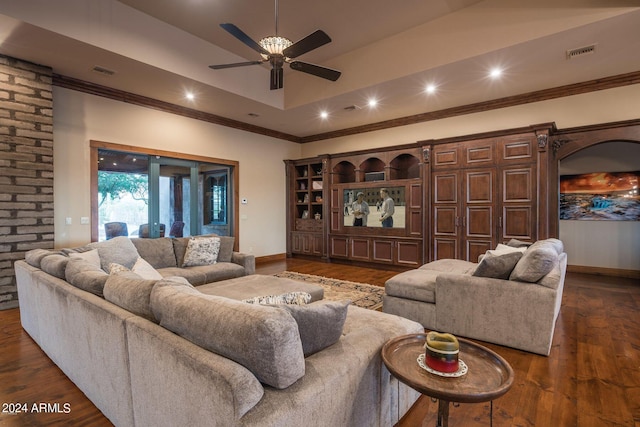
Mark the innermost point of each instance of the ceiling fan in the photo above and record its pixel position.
(277, 50)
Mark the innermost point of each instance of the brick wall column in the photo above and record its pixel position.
(26, 167)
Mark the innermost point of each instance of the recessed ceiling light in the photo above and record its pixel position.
(372, 102)
(324, 115)
(190, 96)
(430, 88)
(495, 72)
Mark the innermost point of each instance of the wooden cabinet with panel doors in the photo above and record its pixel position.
(484, 192)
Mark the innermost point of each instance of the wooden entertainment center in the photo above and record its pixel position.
(454, 198)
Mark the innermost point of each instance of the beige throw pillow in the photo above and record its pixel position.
(201, 251)
(91, 256)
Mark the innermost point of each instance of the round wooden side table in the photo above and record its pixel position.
(489, 376)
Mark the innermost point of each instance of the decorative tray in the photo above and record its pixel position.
(488, 375)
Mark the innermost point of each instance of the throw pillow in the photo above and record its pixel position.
(119, 250)
(505, 249)
(128, 290)
(157, 252)
(320, 323)
(145, 270)
(35, 256)
(55, 265)
(264, 339)
(201, 251)
(296, 298)
(515, 243)
(85, 275)
(117, 268)
(537, 262)
(91, 256)
(497, 265)
(226, 248)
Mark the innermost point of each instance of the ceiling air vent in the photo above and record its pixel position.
(351, 108)
(104, 71)
(580, 51)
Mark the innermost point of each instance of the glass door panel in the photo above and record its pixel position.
(172, 196)
(123, 193)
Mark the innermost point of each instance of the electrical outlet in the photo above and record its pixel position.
(84, 220)
(68, 220)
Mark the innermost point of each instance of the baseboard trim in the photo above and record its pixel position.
(270, 258)
(604, 271)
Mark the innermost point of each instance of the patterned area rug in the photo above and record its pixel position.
(360, 294)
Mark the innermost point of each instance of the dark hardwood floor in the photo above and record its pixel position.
(591, 378)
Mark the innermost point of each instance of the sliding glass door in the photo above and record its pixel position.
(173, 197)
(150, 196)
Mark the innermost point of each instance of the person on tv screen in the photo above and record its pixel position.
(360, 210)
(387, 208)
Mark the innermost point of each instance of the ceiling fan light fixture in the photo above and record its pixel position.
(275, 44)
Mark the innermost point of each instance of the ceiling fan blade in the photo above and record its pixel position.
(316, 70)
(236, 64)
(240, 35)
(277, 78)
(307, 44)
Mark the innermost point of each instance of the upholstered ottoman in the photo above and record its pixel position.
(257, 285)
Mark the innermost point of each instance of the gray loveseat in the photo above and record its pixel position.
(510, 298)
(163, 353)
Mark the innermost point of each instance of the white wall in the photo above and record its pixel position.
(611, 244)
(79, 118)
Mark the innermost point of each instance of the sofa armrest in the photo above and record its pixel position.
(248, 261)
(515, 314)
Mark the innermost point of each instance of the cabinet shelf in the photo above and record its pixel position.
(306, 206)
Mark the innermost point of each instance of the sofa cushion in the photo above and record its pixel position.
(294, 298)
(450, 266)
(35, 256)
(553, 279)
(497, 265)
(221, 271)
(536, 262)
(119, 250)
(128, 290)
(417, 285)
(179, 248)
(263, 339)
(319, 324)
(91, 256)
(201, 251)
(55, 265)
(85, 275)
(191, 274)
(226, 248)
(157, 252)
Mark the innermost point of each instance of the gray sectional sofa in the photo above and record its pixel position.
(511, 297)
(162, 352)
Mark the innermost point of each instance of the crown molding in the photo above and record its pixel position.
(537, 96)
